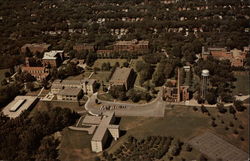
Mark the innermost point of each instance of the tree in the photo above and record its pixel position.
(91, 58)
(188, 147)
(48, 149)
(7, 74)
(203, 109)
(4, 82)
(239, 105)
(30, 86)
(202, 158)
(232, 110)
(125, 64)
(211, 98)
(221, 108)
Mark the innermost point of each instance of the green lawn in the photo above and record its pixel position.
(183, 123)
(242, 83)
(80, 76)
(101, 76)
(75, 145)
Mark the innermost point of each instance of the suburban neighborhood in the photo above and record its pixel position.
(110, 80)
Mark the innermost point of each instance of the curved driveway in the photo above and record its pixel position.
(156, 108)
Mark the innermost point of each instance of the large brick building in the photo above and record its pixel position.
(235, 56)
(131, 46)
(40, 73)
(34, 48)
(173, 91)
(123, 77)
(84, 47)
(53, 58)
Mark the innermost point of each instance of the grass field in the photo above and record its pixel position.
(2, 76)
(183, 123)
(75, 145)
(242, 83)
(99, 62)
(101, 76)
(80, 76)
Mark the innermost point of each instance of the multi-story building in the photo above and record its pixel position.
(84, 47)
(69, 94)
(123, 77)
(53, 58)
(174, 92)
(131, 46)
(171, 94)
(35, 48)
(40, 73)
(105, 128)
(235, 56)
(87, 85)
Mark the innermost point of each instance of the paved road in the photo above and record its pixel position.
(156, 108)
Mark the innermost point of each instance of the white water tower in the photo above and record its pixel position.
(204, 83)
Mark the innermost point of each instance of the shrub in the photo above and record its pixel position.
(236, 132)
(241, 127)
(195, 108)
(242, 139)
(213, 124)
(188, 148)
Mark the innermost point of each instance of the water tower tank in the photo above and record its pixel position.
(205, 73)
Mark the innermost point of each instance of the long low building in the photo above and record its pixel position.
(18, 105)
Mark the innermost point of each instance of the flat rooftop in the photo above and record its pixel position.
(121, 74)
(52, 54)
(104, 125)
(29, 101)
(92, 120)
(70, 91)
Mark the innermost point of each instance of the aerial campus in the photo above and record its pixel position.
(107, 80)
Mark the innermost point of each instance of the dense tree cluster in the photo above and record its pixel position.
(9, 92)
(164, 70)
(223, 23)
(145, 71)
(221, 79)
(27, 134)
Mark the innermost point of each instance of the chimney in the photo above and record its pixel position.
(178, 85)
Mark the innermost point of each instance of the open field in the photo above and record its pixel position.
(99, 62)
(183, 123)
(80, 76)
(2, 76)
(101, 76)
(242, 83)
(75, 145)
